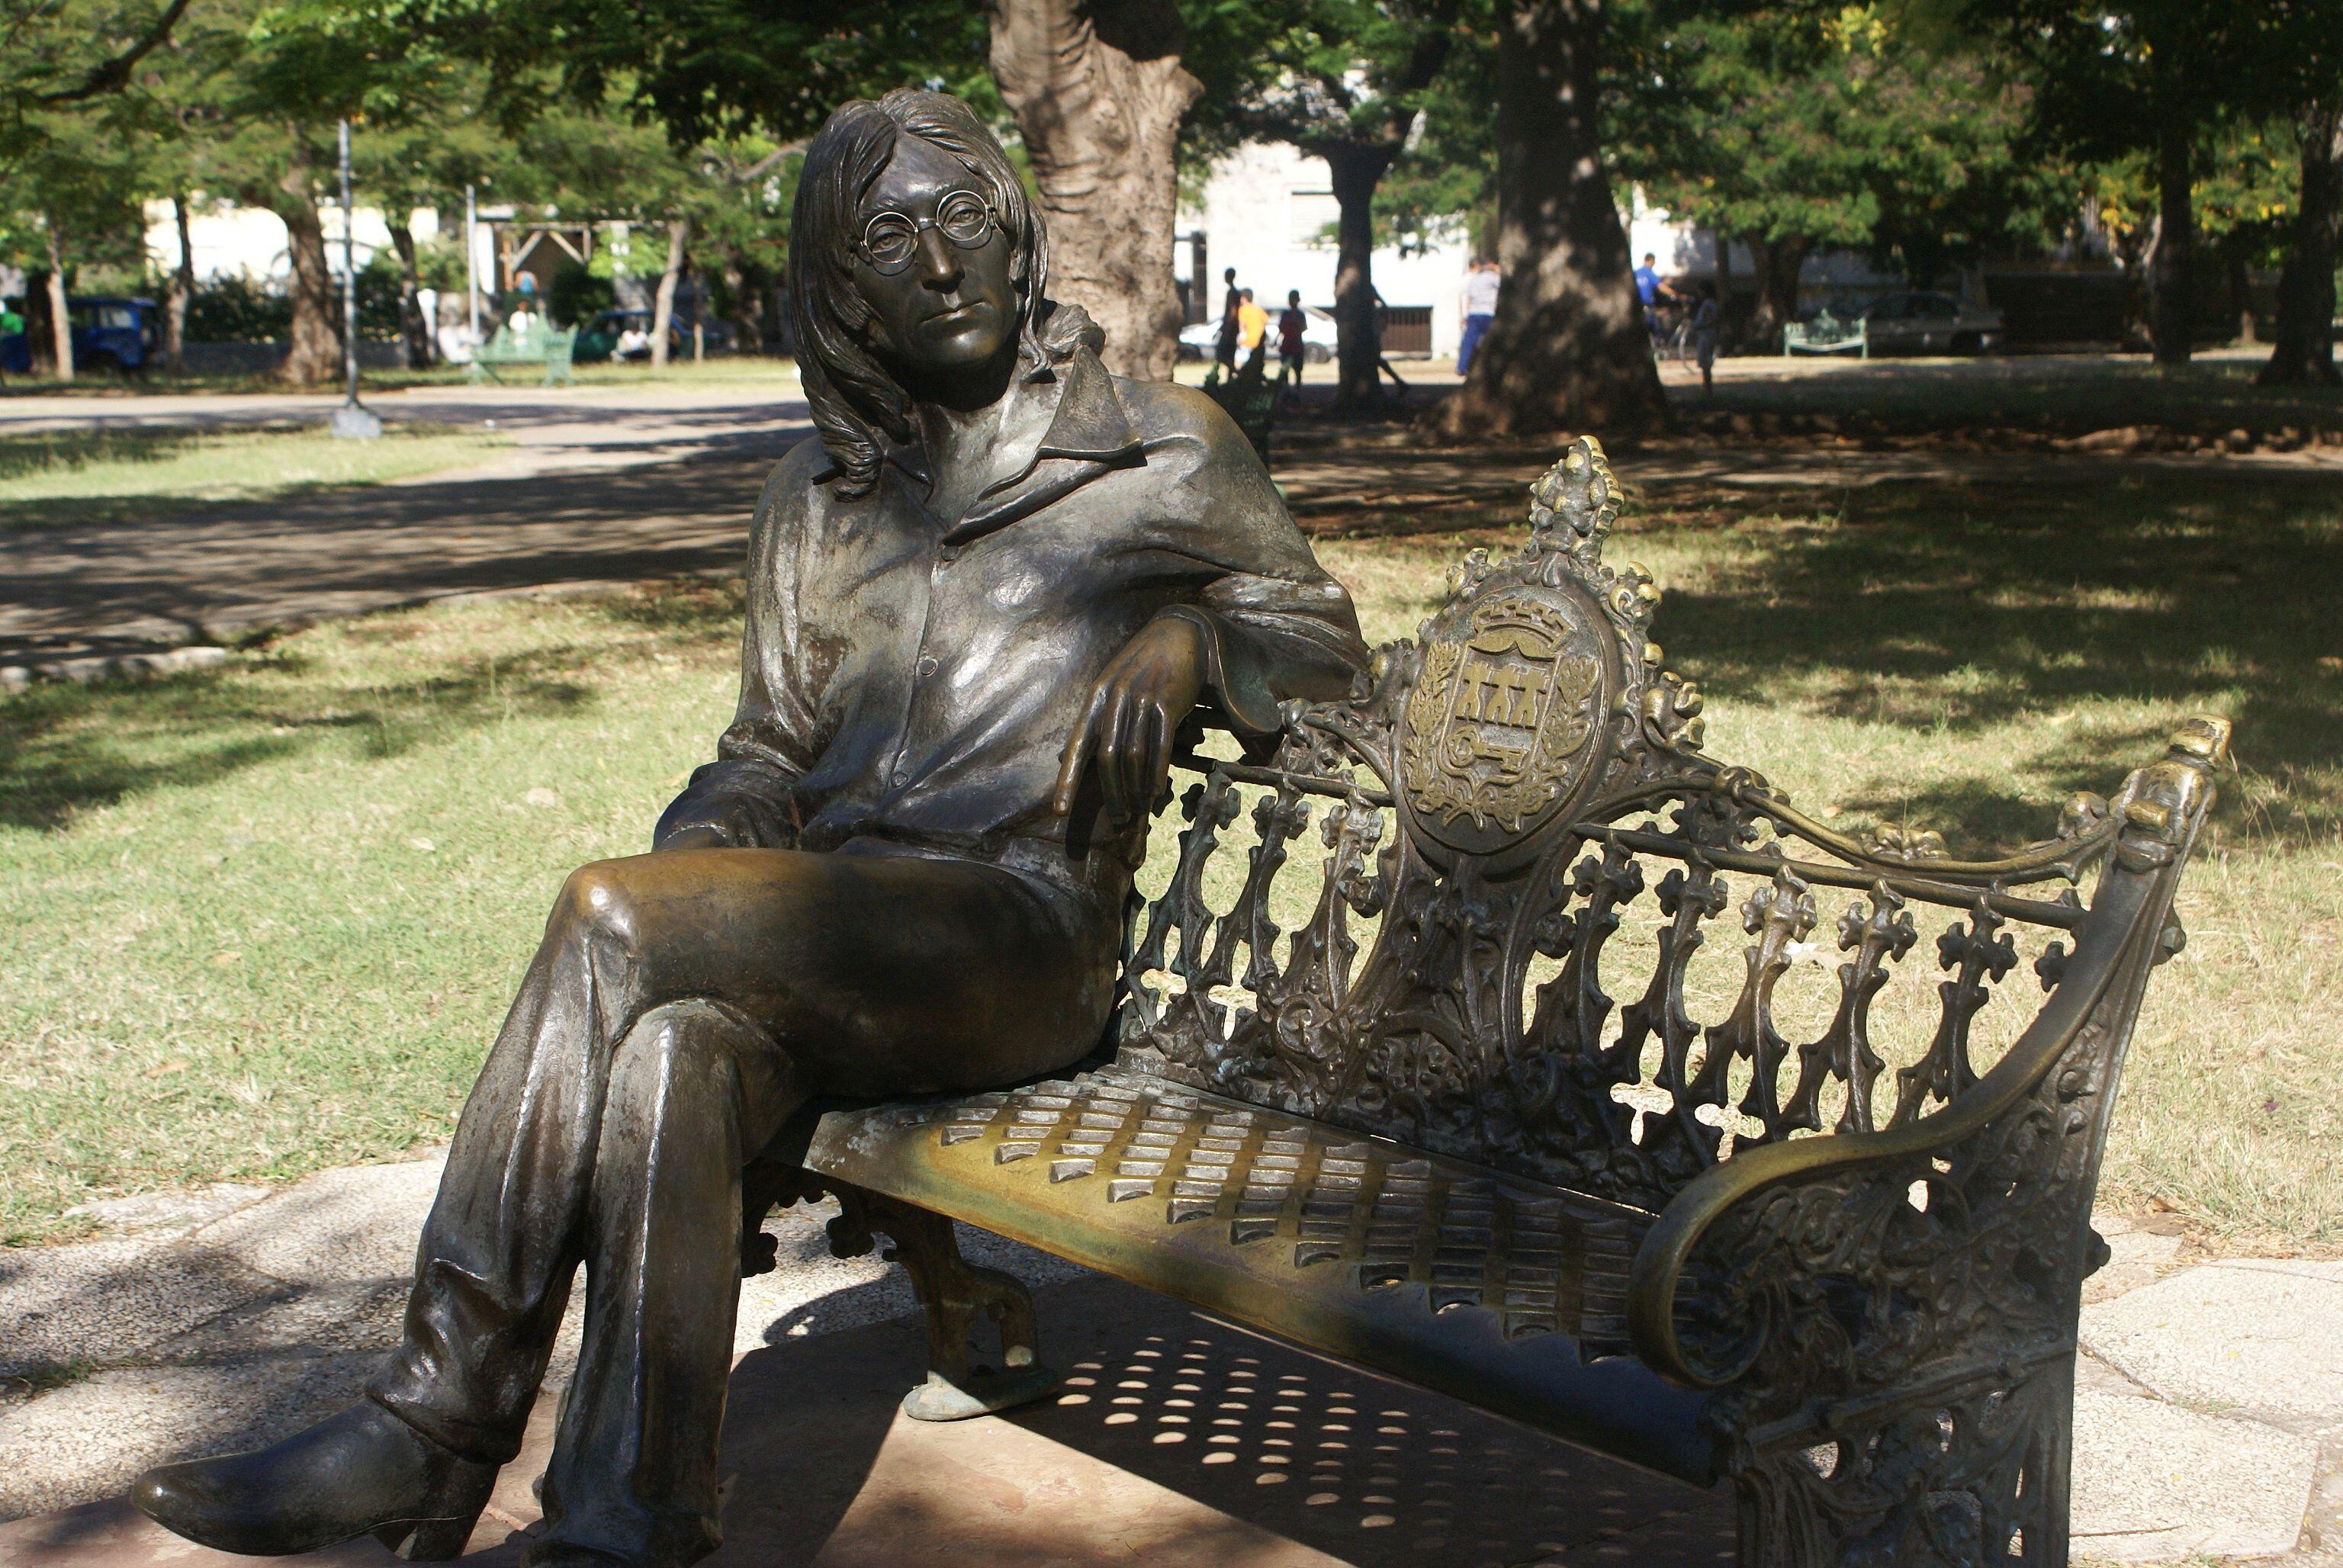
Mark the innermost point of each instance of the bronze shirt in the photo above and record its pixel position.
(915, 678)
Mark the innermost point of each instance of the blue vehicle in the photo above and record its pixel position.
(109, 333)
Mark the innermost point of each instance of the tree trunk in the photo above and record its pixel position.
(1568, 348)
(679, 237)
(61, 354)
(413, 333)
(750, 284)
(1777, 262)
(2304, 333)
(1359, 339)
(40, 342)
(2171, 270)
(1097, 91)
(178, 293)
(315, 351)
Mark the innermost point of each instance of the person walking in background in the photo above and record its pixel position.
(1707, 323)
(1252, 325)
(1226, 351)
(1292, 330)
(1482, 283)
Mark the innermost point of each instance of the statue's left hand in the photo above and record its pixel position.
(1134, 709)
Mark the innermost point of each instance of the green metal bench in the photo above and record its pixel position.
(1817, 1227)
(549, 346)
(1827, 334)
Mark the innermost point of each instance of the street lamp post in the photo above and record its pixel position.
(471, 266)
(351, 420)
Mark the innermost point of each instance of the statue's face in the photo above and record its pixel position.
(933, 263)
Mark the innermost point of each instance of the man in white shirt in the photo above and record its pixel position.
(1480, 302)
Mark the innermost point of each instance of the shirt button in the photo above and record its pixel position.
(927, 667)
(902, 776)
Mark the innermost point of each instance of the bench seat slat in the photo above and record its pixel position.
(1451, 1275)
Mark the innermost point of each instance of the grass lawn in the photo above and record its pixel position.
(54, 477)
(265, 918)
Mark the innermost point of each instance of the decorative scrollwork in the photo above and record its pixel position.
(1476, 1022)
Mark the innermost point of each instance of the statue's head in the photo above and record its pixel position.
(915, 258)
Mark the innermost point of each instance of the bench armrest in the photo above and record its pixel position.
(1845, 1260)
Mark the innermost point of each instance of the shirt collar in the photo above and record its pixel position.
(1088, 427)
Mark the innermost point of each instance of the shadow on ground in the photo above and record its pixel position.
(218, 574)
(1178, 1439)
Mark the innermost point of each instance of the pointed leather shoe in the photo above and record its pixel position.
(363, 1472)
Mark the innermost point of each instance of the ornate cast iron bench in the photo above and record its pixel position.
(1394, 1114)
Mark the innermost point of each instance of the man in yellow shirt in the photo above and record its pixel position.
(1252, 323)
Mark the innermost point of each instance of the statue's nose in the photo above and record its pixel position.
(940, 266)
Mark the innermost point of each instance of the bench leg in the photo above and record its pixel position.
(956, 1292)
(1974, 1476)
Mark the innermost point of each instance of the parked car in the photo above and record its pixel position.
(108, 333)
(599, 339)
(1922, 322)
(1203, 340)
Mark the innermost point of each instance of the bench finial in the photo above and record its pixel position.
(1573, 502)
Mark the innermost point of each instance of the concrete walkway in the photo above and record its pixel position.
(2209, 1423)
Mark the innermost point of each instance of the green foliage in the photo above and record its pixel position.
(1788, 123)
(380, 284)
(708, 70)
(577, 295)
(232, 308)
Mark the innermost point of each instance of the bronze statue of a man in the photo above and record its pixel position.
(980, 606)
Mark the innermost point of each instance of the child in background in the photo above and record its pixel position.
(1292, 325)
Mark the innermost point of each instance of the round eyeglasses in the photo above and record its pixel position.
(891, 238)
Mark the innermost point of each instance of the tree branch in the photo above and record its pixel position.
(110, 75)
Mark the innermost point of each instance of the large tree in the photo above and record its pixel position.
(1098, 89)
(1568, 348)
(69, 55)
(255, 89)
(1347, 81)
(2303, 349)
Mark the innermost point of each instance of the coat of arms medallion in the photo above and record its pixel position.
(1506, 712)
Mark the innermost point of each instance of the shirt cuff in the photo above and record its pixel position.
(1236, 672)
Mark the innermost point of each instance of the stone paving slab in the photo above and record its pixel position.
(2155, 1483)
(293, 1298)
(104, 1301)
(2257, 1337)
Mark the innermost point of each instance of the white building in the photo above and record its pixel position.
(1267, 211)
(227, 240)
(1268, 208)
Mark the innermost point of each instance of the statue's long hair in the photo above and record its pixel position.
(852, 394)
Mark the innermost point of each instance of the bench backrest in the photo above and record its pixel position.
(1508, 949)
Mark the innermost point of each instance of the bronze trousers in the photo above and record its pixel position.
(682, 1006)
